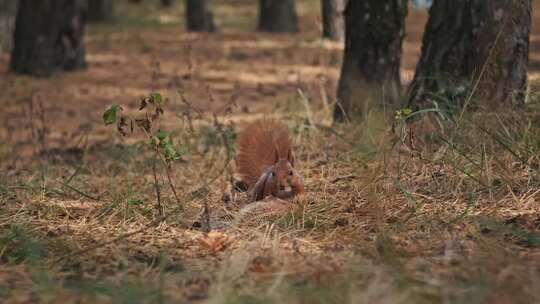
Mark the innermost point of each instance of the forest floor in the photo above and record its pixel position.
(451, 214)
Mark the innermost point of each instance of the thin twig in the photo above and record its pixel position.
(205, 218)
(75, 173)
(165, 164)
(171, 185)
(344, 177)
(158, 194)
(80, 192)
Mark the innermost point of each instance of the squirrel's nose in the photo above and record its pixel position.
(281, 187)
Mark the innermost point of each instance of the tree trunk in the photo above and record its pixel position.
(8, 9)
(199, 16)
(100, 10)
(332, 19)
(278, 16)
(474, 45)
(503, 47)
(167, 3)
(49, 37)
(374, 31)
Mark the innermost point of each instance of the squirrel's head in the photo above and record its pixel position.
(283, 171)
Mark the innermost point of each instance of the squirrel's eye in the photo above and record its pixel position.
(291, 173)
(272, 174)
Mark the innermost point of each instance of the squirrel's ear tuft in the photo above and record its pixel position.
(290, 157)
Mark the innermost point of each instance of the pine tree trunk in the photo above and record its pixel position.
(332, 19)
(374, 31)
(199, 16)
(8, 9)
(481, 45)
(100, 10)
(446, 58)
(278, 16)
(502, 45)
(49, 37)
(167, 3)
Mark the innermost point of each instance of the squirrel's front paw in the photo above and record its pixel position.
(285, 194)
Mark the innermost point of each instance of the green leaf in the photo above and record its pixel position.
(162, 135)
(406, 111)
(170, 152)
(400, 114)
(110, 116)
(156, 97)
(166, 144)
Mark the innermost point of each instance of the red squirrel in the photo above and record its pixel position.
(265, 161)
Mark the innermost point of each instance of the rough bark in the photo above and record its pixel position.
(100, 10)
(199, 16)
(8, 9)
(481, 45)
(332, 19)
(374, 31)
(278, 16)
(49, 37)
(503, 46)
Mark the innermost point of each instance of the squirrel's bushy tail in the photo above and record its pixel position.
(258, 145)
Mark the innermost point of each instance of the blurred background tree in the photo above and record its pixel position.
(49, 37)
(8, 10)
(100, 10)
(199, 17)
(278, 16)
(332, 19)
(469, 40)
(167, 3)
(370, 75)
(463, 40)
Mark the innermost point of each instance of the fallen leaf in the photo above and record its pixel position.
(216, 241)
